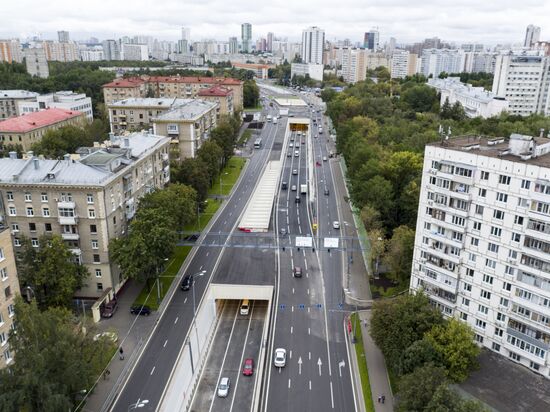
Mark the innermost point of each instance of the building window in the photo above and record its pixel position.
(498, 214)
(504, 180)
(99, 286)
(514, 356)
(463, 316)
(3, 273)
(474, 241)
(34, 242)
(496, 231)
(477, 226)
(98, 273)
(496, 347)
(483, 309)
(16, 242)
(95, 244)
(11, 310)
(44, 197)
(488, 279)
(467, 287)
(534, 366)
(28, 197)
(482, 192)
(502, 197)
(48, 227)
(466, 302)
(481, 324)
(66, 197)
(91, 213)
(46, 212)
(507, 286)
(479, 210)
(93, 229)
(501, 317)
(3, 339)
(518, 220)
(30, 211)
(525, 184)
(485, 294)
(32, 227)
(96, 259)
(9, 196)
(472, 257)
(7, 356)
(12, 211)
(491, 247)
(90, 198)
(516, 237)
(15, 227)
(7, 292)
(484, 175)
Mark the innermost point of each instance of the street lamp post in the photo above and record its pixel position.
(139, 404)
(158, 282)
(201, 273)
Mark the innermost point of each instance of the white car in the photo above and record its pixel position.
(295, 172)
(336, 224)
(223, 387)
(280, 358)
(110, 336)
(291, 144)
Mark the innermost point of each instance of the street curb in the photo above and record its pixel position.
(360, 396)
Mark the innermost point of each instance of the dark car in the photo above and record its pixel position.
(298, 200)
(186, 283)
(109, 309)
(327, 192)
(140, 310)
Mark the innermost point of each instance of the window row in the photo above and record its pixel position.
(64, 197)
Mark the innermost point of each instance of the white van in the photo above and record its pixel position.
(245, 305)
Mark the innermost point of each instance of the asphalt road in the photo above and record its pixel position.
(150, 374)
(309, 321)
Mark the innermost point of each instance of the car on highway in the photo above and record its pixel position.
(279, 359)
(293, 188)
(248, 367)
(289, 154)
(327, 192)
(295, 172)
(282, 231)
(324, 158)
(223, 387)
(284, 186)
(109, 309)
(297, 272)
(296, 153)
(140, 310)
(291, 144)
(297, 200)
(336, 224)
(187, 282)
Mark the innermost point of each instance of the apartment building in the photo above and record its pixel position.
(66, 100)
(10, 99)
(476, 101)
(260, 70)
(10, 288)
(354, 64)
(482, 247)
(61, 51)
(313, 44)
(374, 60)
(10, 51)
(36, 63)
(436, 61)
(86, 198)
(169, 86)
(220, 95)
(27, 129)
(403, 64)
(187, 125)
(138, 52)
(525, 82)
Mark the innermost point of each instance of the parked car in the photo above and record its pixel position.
(280, 358)
(140, 310)
(223, 387)
(297, 272)
(248, 368)
(187, 282)
(109, 309)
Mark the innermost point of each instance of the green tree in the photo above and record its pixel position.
(251, 94)
(225, 136)
(457, 112)
(50, 270)
(212, 156)
(178, 200)
(377, 247)
(446, 110)
(192, 172)
(416, 389)
(420, 98)
(420, 353)
(399, 254)
(371, 218)
(55, 362)
(454, 341)
(445, 399)
(378, 193)
(399, 322)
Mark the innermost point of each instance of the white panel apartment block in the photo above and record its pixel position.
(482, 247)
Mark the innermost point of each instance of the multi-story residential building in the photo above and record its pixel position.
(482, 247)
(436, 61)
(188, 126)
(10, 288)
(111, 49)
(63, 36)
(27, 129)
(476, 101)
(314, 71)
(269, 45)
(86, 198)
(484, 62)
(61, 52)
(525, 82)
(66, 100)
(137, 113)
(130, 51)
(10, 51)
(375, 59)
(10, 99)
(372, 40)
(354, 65)
(220, 95)
(246, 37)
(36, 63)
(94, 54)
(233, 45)
(169, 86)
(532, 35)
(313, 44)
(403, 64)
(260, 70)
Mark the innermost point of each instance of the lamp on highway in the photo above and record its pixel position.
(201, 273)
(138, 404)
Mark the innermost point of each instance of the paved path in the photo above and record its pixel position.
(378, 376)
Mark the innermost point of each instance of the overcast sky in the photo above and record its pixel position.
(484, 21)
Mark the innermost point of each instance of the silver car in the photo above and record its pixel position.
(223, 387)
(280, 358)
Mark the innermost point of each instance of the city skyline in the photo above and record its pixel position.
(495, 22)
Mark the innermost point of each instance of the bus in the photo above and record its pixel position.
(257, 143)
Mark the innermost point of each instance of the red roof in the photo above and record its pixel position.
(216, 91)
(129, 82)
(36, 120)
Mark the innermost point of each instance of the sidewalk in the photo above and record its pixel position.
(378, 376)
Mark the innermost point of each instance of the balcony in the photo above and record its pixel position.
(65, 204)
(70, 236)
(76, 251)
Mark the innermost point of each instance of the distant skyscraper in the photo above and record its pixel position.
(270, 42)
(63, 36)
(313, 42)
(111, 50)
(532, 35)
(186, 34)
(371, 40)
(233, 45)
(246, 37)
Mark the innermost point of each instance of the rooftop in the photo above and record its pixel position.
(216, 91)
(138, 81)
(17, 94)
(37, 120)
(163, 102)
(454, 83)
(518, 148)
(190, 110)
(130, 82)
(96, 165)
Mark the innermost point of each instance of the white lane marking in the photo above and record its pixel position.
(176, 321)
(308, 310)
(307, 275)
(224, 222)
(200, 268)
(309, 331)
(305, 263)
(292, 308)
(185, 301)
(293, 291)
(309, 355)
(152, 370)
(290, 353)
(300, 229)
(288, 380)
(165, 342)
(207, 253)
(331, 395)
(308, 291)
(309, 385)
(291, 329)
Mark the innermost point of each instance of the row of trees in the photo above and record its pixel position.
(425, 351)
(382, 129)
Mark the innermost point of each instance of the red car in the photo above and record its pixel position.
(248, 368)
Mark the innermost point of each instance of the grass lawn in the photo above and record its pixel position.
(166, 279)
(361, 361)
(252, 109)
(244, 137)
(212, 206)
(230, 174)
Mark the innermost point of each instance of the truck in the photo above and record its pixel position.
(268, 118)
(303, 189)
(283, 112)
(274, 120)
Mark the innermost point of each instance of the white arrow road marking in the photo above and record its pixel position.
(341, 364)
(300, 365)
(319, 363)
